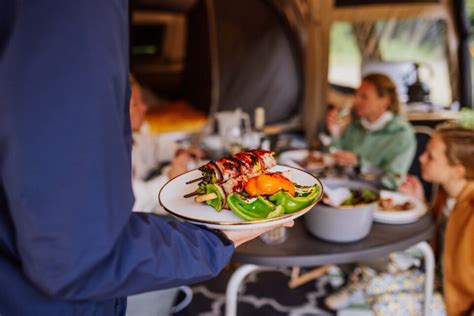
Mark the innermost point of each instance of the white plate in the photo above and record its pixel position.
(172, 200)
(293, 158)
(400, 217)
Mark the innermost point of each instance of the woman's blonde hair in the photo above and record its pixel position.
(385, 86)
(459, 144)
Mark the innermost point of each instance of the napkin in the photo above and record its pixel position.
(335, 197)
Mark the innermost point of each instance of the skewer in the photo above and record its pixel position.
(190, 194)
(195, 180)
(205, 197)
(253, 161)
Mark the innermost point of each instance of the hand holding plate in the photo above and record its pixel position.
(239, 237)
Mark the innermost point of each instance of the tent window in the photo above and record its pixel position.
(423, 42)
(392, 47)
(344, 56)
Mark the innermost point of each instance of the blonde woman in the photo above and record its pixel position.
(377, 137)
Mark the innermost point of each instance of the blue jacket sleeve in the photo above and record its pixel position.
(65, 161)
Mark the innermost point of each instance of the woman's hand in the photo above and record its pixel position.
(413, 187)
(333, 122)
(181, 161)
(179, 165)
(345, 158)
(239, 237)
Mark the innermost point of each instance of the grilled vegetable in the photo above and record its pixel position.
(268, 184)
(253, 208)
(241, 184)
(217, 196)
(304, 197)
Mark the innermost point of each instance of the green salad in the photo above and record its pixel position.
(361, 196)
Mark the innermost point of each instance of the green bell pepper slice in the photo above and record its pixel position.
(252, 209)
(279, 210)
(219, 202)
(295, 203)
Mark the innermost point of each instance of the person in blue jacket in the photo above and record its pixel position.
(69, 243)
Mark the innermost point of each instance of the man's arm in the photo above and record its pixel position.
(65, 161)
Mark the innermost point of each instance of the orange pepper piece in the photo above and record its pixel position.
(251, 187)
(268, 184)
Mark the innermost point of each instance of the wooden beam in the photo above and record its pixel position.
(316, 66)
(140, 17)
(387, 12)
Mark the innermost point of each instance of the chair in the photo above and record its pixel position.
(423, 135)
(158, 303)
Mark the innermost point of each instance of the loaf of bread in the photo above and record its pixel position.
(176, 116)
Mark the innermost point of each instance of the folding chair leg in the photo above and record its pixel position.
(297, 279)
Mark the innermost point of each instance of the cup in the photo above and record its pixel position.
(252, 140)
(232, 127)
(275, 236)
(344, 114)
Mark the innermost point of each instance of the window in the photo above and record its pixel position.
(344, 56)
(397, 44)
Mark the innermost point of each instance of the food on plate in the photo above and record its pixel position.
(388, 204)
(277, 204)
(243, 184)
(312, 160)
(360, 196)
(249, 163)
(175, 116)
(269, 183)
(303, 197)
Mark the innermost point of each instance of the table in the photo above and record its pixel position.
(443, 115)
(303, 250)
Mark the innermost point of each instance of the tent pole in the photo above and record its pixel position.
(316, 67)
(452, 34)
(214, 59)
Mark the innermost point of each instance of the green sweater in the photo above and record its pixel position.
(391, 148)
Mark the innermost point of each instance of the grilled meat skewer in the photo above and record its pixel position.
(250, 163)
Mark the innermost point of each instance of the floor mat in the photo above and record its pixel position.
(263, 292)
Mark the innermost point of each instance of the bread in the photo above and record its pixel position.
(176, 116)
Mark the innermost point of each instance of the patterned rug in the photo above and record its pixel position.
(263, 292)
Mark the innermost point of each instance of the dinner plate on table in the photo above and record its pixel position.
(294, 158)
(394, 216)
(172, 200)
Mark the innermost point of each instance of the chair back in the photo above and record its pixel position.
(423, 135)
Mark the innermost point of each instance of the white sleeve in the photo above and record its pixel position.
(146, 194)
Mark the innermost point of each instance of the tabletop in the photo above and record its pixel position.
(304, 250)
(433, 116)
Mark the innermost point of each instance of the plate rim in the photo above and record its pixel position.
(327, 163)
(245, 222)
(290, 151)
(418, 212)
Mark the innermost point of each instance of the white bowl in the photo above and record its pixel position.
(341, 224)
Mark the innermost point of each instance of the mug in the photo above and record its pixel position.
(231, 130)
